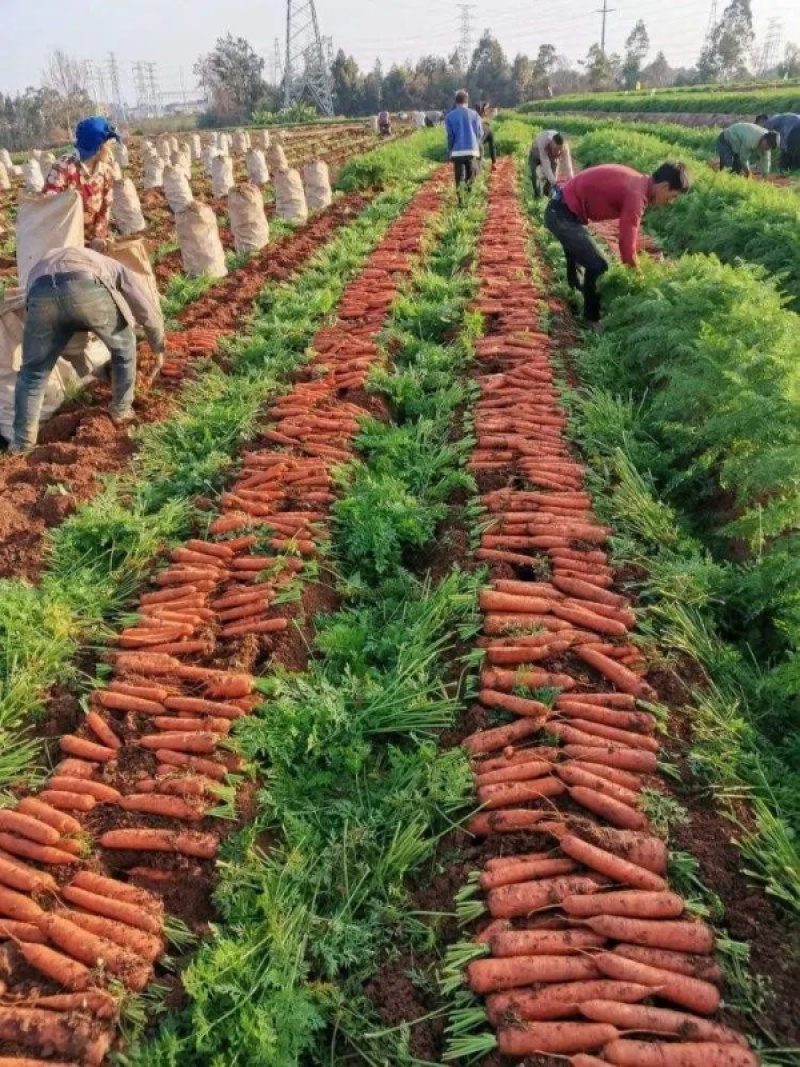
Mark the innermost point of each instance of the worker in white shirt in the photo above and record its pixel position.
(550, 162)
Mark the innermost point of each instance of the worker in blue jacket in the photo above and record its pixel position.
(464, 139)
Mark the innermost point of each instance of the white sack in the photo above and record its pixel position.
(34, 179)
(257, 169)
(248, 221)
(5, 181)
(221, 176)
(317, 185)
(290, 199)
(45, 223)
(126, 208)
(176, 189)
(198, 237)
(153, 173)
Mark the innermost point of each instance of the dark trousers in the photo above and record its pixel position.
(582, 255)
(541, 186)
(488, 140)
(790, 150)
(465, 169)
(728, 160)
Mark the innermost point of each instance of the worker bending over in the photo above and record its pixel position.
(73, 290)
(787, 127)
(384, 124)
(464, 139)
(549, 161)
(90, 171)
(488, 141)
(609, 191)
(737, 145)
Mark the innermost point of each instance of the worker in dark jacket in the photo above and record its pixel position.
(609, 191)
(464, 139)
(787, 127)
(488, 132)
(75, 290)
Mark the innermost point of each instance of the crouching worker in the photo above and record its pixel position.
(71, 291)
(605, 192)
(550, 162)
(737, 145)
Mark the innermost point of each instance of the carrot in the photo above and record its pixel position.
(146, 946)
(608, 808)
(616, 673)
(518, 655)
(513, 757)
(555, 1038)
(659, 1021)
(90, 949)
(101, 1004)
(497, 678)
(266, 626)
(692, 993)
(196, 743)
(632, 782)
(14, 905)
(56, 798)
(12, 930)
(184, 648)
(611, 700)
(491, 600)
(187, 724)
(185, 576)
(493, 976)
(614, 756)
(500, 736)
(30, 850)
(116, 890)
(163, 596)
(88, 750)
(56, 966)
(120, 910)
(532, 709)
(560, 1000)
(23, 878)
(61, 822)
(520, 772)
(517, 901)
(211, 548)
(504, 822)
(146, 663)
(190, 556)
(100, 728)
(588, 620)
(169, 807)
(680, 1054)
(184, 842)
(217, 771)
(543, 942)
(677, 936)
(105, 794)
(27, 826)
(222, 684)
(115, 701)
(75, 768)
(196, 706)
(615, 735)
(253, 609)
(638, 721)
(574, 587)
(615, 867)
(635, 903)
(190, 787)
(679, 962)
(575, 775)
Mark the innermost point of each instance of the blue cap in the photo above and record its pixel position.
(91, 134)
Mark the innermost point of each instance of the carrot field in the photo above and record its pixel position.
(418, 681)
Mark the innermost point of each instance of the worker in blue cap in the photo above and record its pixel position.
(90, 171)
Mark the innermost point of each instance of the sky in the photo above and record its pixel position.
(172, 33)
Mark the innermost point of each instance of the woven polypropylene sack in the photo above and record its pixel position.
(257, 169)
(132, 253)
(239, 142)
(221, 176)
(164, 149)
(126, 208)
(200, 244)
(153, 173)
(290, 197)
(317, 185)
(5, 181)
(195, 146)
(32, 173)
(5, 158)
(248, 221)
(177, 189)
(121, 154)
(45, 223)
(276, 157)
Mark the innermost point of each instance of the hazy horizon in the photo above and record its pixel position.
(173, 35)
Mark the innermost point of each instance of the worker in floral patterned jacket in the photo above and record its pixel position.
(90, 171)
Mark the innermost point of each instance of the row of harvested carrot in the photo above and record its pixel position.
(171, 716)
(590, 956)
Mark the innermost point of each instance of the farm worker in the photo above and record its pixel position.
(384, 124)
(70, 291)
(609, 191)
(488, 133)
(90, 171)
(787, 127)
(464, 139)
(549, 161)
(738, 144)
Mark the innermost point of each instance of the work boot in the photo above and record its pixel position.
(125, 418)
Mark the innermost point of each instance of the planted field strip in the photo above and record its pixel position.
(144, 772)
(585, 943)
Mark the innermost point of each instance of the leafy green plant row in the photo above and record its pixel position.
(99, 556)
(686, 101)
(697, 599)
(355, 794)
(700, 141)
(723, 215)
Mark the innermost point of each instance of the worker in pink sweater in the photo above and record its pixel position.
(608, 191)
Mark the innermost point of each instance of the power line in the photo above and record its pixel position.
(604, 11)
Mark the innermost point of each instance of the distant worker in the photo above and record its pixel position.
(384, 124)
(608, 191)
(737, 145)
(787, 127)
(483, 110)
(74, 290)
(90, 171)
(464, 139)
(549, 161)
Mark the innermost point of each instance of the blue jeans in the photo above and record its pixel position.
(56, 310)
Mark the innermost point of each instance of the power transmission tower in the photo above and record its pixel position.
(116, 91)
(305, 68)
(465, 34)
(772, 46)
(604, 11)
(277, 64)
(140, 85)
(154, 90)
(712, 19)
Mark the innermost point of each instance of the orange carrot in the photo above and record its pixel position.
(196, 706)
(633, 903)
(59, 821)
(611, 774)
(497, 678)
(676, 936)
(616, 673)
(115, 701)
(145, 663)
(164, 596)
(169, 807)
(56, 798)
(679, 1054)
(560, 1000)
(27, 826)
(519, 772)
(14, 905)
(533, 709)
(189, 787)
(555, 1038)
(187, 724)
(511, 794)
(525, 871)
(612, 810)
(659, 1021)
(217, 771)
(116, 890)
(638, 721)
(574, 775)
(544, 942)
(100, 728)
(12, 930)
(614, 866)
(500, 736)
(504, 822)
(29, 850)
(145, 946)
(119, 910)
(574, 587)
(266, 626)
(614, 756)
(101, 792)
(524, 898)
(184, 842)
(88, 750)
(90, 949)
(196, 743)
(691, 993)
(101, 1004)
(56, 966)
(493, 976)
(611, 700)
(75, 768)
(615, 735)
(24, 879)
(679, 962)
(224, 684)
